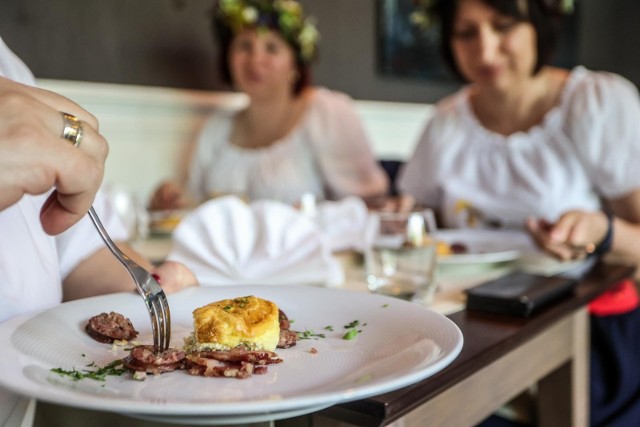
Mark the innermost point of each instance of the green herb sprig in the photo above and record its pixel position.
(114, 368)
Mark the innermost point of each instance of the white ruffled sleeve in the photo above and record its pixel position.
(420, 177)
(604, 125)
(213, 134)
(339, 142)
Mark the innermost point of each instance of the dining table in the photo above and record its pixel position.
(502, 356)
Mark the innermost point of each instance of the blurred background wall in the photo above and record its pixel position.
(168, 43)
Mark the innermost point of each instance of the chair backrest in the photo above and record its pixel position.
(392, 167)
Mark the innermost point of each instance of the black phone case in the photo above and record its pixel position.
(518, 294)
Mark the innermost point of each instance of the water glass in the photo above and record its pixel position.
(400, 257)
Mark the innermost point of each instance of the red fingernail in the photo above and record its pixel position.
(155, 276)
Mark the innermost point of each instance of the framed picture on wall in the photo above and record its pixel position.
(406, 51)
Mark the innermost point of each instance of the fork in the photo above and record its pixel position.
(148, 287)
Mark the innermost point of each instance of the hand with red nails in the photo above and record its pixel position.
(173, 276)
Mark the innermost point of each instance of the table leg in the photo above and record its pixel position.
(563, 395)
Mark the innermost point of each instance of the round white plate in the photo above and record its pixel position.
(484, 246)
(400, 343)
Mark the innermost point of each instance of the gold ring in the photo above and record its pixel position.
(72, 130)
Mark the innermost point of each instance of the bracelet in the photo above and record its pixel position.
(605, 245)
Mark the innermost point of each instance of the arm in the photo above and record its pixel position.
(348, 164)
(188, 190)
(603, 124)
(101, 273)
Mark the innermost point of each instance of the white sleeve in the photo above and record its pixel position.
(343, 150)
(213, 134)
(420, 176)
(604, 125)
(13, 68)
(82, 240)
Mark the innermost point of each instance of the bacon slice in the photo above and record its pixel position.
(235, 363)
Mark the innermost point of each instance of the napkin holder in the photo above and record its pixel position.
(518, 294)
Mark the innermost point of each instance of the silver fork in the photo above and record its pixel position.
(148, 287)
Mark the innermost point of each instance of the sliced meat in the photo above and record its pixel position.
(207, 367)
(142, 358)
(235, 363)
(237, 355)
(108, 327)
(284, 320)
(287, 338)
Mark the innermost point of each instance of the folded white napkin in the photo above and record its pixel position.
(227, 241)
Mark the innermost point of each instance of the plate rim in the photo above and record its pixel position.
(482, 235)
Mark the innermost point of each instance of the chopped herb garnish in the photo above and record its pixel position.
(227, 308)
(308, 335)
(242, 302)
(113, 368)
(352, 332)
(352, 324)
(350, 335)
(328, 328)
(385, 305)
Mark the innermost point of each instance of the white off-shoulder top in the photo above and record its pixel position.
(585, 149)
(327, 153)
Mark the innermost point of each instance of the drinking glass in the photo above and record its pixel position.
(400, 257)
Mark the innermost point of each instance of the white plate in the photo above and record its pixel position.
(401, 343)
(484, 246)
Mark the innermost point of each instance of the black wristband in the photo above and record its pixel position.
(605, 245)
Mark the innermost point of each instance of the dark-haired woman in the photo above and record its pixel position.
(291, 138)
(528, 145)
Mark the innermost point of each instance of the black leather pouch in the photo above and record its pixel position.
(518, 294)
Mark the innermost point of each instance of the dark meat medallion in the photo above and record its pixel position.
(142, 358)
(288, 338)
(235, 363)
(108, 327)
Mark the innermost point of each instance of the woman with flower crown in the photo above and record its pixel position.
(292, 138)
(554, 151)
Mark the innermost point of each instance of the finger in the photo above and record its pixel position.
(78, 176)
(174, 276)
(561, 230)
(53, 100)
(533, 227)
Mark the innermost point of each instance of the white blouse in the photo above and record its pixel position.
(327, 153)
(586, 148)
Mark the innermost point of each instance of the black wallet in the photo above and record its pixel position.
(519, 293)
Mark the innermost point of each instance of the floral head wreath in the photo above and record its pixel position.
(422, 15)
(286, 16)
